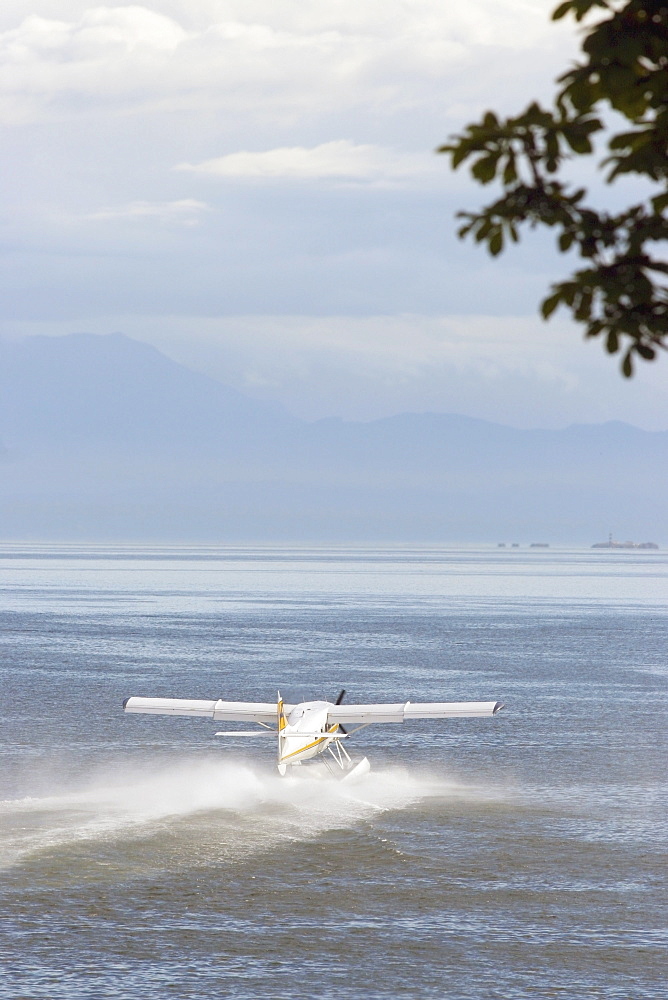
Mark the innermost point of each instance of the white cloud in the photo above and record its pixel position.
(186, 212)
(291, 57)
(340, 160)
(108, 49)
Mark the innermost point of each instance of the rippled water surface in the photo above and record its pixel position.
(513, 857)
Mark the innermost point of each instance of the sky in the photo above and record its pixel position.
(252, 187)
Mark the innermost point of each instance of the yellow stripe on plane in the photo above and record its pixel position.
(309, 746)
(282, 721)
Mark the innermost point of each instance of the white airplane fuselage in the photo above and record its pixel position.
(304, 732)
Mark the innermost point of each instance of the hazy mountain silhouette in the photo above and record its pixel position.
(83, 390)
(104, 437)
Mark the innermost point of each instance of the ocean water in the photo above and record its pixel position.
(516, 857)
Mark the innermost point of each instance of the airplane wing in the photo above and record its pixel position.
(364, 715)
(221, 711)
(265, 712)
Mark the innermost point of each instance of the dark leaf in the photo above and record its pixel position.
(660, 202)
(459, 154)
(484, 170)
(510, 171)
(550, 304)
(496, 242)
(561, 11)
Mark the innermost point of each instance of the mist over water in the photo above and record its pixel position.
(245, 809)
(515, 857)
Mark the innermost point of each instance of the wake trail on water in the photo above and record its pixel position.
(239, 807)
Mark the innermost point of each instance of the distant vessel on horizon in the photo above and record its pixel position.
(610, 544)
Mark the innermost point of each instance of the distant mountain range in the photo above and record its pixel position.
(105, 438)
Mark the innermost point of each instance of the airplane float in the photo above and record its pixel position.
(310, 728)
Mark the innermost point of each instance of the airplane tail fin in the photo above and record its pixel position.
(281, 723)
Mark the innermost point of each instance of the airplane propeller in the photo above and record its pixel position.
(338, 702)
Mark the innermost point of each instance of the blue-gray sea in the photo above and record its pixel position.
(519, 857)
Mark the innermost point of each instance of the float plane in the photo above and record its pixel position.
(312, 727)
